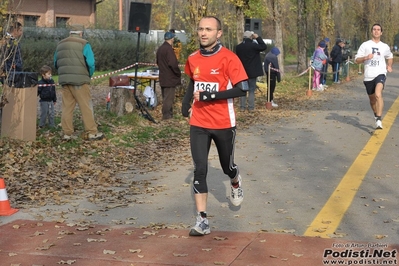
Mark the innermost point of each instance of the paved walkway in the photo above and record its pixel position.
(306, 159)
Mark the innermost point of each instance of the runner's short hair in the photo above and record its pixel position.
(217, 20)
(376, 24)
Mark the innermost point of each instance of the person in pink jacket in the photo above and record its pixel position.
(319, 59)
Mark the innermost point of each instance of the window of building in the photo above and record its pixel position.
(30, 21)
(61, 22)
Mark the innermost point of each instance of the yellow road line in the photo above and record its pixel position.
(330, 216)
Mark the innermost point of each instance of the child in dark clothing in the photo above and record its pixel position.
(48, 97)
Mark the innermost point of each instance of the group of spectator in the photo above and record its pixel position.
(321, 58)
(248, 51)
(75, 62)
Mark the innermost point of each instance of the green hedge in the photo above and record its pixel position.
(112, 49)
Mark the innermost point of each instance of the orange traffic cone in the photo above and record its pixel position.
(5, 208)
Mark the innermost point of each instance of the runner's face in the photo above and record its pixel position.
(208, 32)
(376, 32)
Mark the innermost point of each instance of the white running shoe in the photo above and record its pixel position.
(201, 227)
(237, 194)
(69, 137)
(378, 124)
(96, 136)
(274, 104)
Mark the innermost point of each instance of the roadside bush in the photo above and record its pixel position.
(115, 54)
(112, 49)
(36, 53)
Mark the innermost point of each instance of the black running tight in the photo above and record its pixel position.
(200, 142)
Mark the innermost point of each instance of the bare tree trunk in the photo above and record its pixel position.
(318, 17)
(240, 8)
(301, 35)
(120, 15)
(328, 23)
(240, 26)
(276, 4)
(172, 14)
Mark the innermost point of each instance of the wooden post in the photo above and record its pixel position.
(309, 91)
(268, 102)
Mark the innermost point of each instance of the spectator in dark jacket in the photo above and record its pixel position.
(336, 59)
(271, 59)
(12, 51)
(323, 77)
(249, 53)
(48, 97)
(169, 74)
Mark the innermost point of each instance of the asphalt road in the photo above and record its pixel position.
(290, 170)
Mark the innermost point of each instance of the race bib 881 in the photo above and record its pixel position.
(374, 62)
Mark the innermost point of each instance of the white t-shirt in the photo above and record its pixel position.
(377, 65)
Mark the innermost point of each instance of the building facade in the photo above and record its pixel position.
(54, 13)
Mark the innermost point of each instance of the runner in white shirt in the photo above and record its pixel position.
(378, 59)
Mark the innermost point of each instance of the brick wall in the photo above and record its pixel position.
(47, 11)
